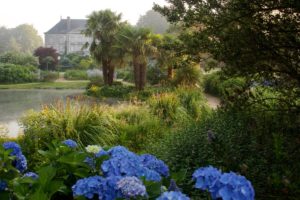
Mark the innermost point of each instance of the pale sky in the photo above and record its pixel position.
(44, 14)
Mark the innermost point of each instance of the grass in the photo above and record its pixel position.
(47, 85)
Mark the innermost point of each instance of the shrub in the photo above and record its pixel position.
(155, 75)
(95, 81)
(218, 85)
(166, 106)
(137, 127)
(18, 59)
(10, 73)
(82, 123)
(49, 76)
(187, 74)
(259, 146)
(76, 75)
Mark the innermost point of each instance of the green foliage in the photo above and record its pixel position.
(87, 125)
(259, 145)
(216, 84)
(22, 39)
(75, 75)
(155, 75)
(187, 74)
(154, 21)
(138, 128)
(10, 73)
(117, 91)
(246, 36)
(126, 75)
(165, 106)
(18, 59)
(49, 76)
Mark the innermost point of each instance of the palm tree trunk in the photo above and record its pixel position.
(142, 76)
(104, 72)
(111, 71)
(136, 71)
(170, 73)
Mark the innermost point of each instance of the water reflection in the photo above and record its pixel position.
(14, 103)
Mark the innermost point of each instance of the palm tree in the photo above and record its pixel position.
(168, 55)
(102, 26)
(138, 44)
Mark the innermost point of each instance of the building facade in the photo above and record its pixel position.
(66, 36)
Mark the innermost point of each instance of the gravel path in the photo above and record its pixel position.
(212, 101)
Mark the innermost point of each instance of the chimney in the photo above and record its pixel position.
(68, 23)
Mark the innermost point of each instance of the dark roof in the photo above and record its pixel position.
(62, 26)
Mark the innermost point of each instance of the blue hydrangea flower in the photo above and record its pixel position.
(173, 186)
(101, 153)
(16, 149)
(131, 187)
(155, 164)
(173, 196)
(20, 161)
(123, 162)
(3, 185)
(70, 143)
(104, 188)
(207, 178)
(87, 187)
(31, 175)
(235, 187)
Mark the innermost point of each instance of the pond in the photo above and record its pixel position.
(15, 103)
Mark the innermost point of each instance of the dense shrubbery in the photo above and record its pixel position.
(256, 144)
(49, 76)
(10, 73)
(18, 59)
(70, 171)
(76, 75)
(223, 87)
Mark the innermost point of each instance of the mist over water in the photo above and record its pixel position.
(15, 103)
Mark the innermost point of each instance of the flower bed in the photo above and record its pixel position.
(72, 172)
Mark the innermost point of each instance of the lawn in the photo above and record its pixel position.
(47, 85)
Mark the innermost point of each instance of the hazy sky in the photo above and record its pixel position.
(44, 14)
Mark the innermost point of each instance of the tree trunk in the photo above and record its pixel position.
(142, 76)
(111, 71)
(104, 72)
(170, 73)
(108, 72)
(136, 71)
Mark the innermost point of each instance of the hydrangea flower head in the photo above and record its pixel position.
(16, 149)
(3, 185)
(20, 163)
(235, 187)
(31, 175)
(89, 187)
(101, 153)
(123, 162)
(93, 149)
(155, 164)
(70, 143)
(131, 187)
(173, 196)
(207, 179)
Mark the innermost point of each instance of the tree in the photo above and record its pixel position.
(43, 53)
(48, 61)
(102, 26)
(259, 40)
(154, 21)
(24, 38)
(168, 55)
(138, 44)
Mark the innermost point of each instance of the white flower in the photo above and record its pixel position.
(93, 149)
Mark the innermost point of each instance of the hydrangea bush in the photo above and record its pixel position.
(72, 172)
